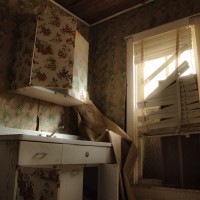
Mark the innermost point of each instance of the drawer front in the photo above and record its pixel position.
(38, 153)
(78, 154)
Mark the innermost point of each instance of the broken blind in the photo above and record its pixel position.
(161, 60)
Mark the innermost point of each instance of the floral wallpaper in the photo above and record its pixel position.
(19, 111)
(107, 61)
(37, 184)
(24, 44)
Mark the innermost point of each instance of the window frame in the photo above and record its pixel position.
(131, 108)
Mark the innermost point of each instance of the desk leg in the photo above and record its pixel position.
(108, 182)
(71, 182)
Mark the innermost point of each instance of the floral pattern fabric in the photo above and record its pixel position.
(54, 51)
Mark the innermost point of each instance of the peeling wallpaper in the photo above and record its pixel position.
(18, 111)
(107, 62)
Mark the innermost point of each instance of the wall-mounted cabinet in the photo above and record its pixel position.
(51, 59)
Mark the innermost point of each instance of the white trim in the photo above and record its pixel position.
(107, 18)
(130, 88)
(55, 3)
(160, 29)
(124, 11)
(164, 28)
(196, 33)
(131, 112)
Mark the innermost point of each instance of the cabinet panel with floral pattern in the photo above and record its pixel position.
(50, 54)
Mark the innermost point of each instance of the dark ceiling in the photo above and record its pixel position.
(93, 11)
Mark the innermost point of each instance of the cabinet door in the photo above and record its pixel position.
(54, 51)
(108, 182)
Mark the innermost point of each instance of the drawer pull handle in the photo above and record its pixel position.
(87, 154)
(39, 155)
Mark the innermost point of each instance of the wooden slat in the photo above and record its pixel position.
(194, 105)
(189, 93)
(93, 11)
(172, 78)
(164, 65)
(162, 124)
(165, 120)
(168, 101)
(188, 87)
(188, 80)
(191, 120)
(161, 131)
(185, 115)
(190, 113)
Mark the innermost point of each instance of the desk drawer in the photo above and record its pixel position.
(38, 153)
(79, 154)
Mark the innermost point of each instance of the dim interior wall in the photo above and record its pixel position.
(107, 63)
(18, 111)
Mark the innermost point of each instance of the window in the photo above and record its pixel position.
(160, 62)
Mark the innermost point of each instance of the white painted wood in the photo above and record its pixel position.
(36, 138)
(73, 154)
(161, 124)
(131, 87)
(131, 108)
(71, 183)
(161, 29)
(48, 95)
(15, 152)
(108, 182)
(38, 153)
(195, 21)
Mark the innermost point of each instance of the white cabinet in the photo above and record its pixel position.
(39, 153)
(71, 183)
(79, 154)
(53, 170)
(51, 59)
